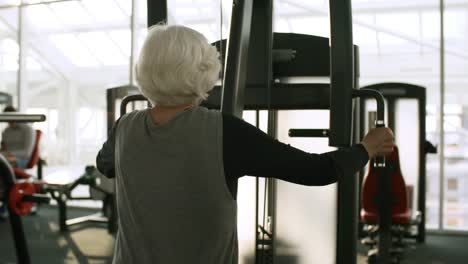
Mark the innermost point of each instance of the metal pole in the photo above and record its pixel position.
(360, 128)
(236, 58)
(22, 81)
(17, 230)
(19, 76)
(422, 167)
(441, 118)
(341, 73)
(357, 139)
(132, 42)
(342, 76)
(383, 187)
(271, 214)
(391, 105)
(257, 202)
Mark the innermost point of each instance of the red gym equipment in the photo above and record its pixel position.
(400, 212)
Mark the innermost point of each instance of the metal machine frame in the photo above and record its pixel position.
(62, 193)
(251, 36)
(113, 95)
(251, 33)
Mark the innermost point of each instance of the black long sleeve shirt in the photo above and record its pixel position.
(249, 151)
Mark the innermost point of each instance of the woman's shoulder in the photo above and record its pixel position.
(227, 119)
(134, 116)
(206, 111)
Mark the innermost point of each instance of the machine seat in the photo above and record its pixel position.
(400, 211)
(403, 218)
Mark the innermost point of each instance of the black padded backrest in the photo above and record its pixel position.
(398, 90)
(312, 56)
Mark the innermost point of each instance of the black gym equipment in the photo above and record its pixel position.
(250, 80)
(114, 97)
(100, 189)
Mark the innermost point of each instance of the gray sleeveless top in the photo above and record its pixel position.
(173, 202)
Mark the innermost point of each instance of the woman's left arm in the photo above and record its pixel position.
(105, 160)
(249, 151)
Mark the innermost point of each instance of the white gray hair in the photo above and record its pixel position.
(176, 66)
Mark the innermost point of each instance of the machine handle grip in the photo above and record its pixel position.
(309, 132)
(379, 161)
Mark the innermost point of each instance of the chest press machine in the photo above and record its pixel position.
(249, 63)
(254, 61)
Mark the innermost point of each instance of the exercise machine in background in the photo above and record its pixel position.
(19, 196)
(407, 209)
(101, 189)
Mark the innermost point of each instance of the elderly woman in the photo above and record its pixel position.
(177, 164)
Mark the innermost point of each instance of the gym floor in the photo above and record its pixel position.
(87, 243)
(90, 243)
(438, 249)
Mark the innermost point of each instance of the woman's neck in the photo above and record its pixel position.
(162, 114)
